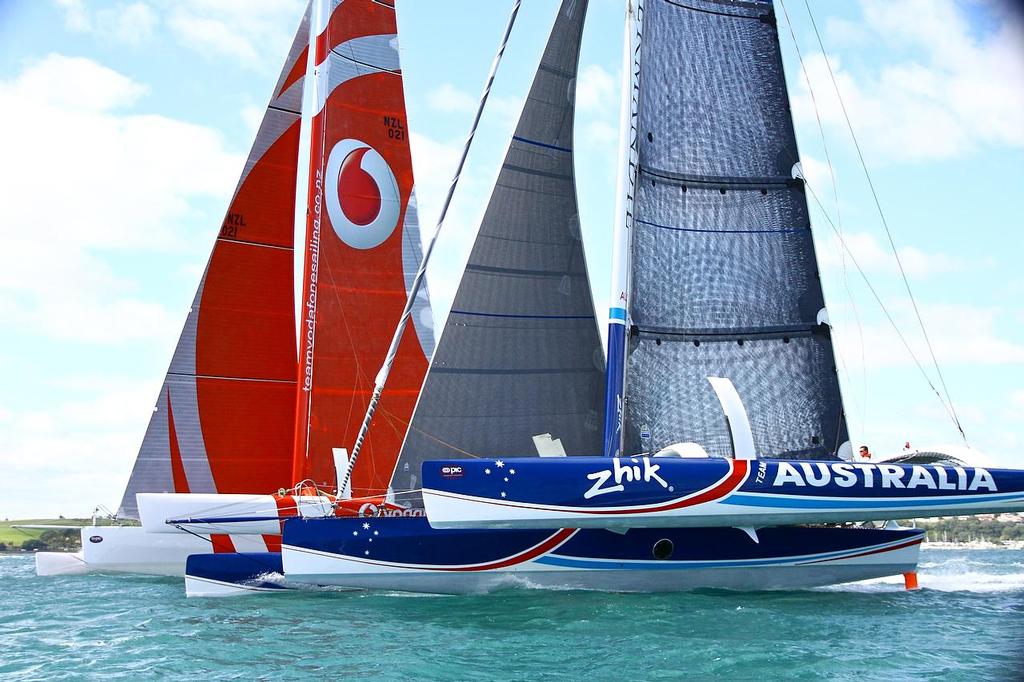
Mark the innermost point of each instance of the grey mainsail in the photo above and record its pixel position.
(520, 354)
(724, 277)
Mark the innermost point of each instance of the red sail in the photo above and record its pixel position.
(362, 250)
(231, 383)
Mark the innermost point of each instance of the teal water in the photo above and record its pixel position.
(967, 623)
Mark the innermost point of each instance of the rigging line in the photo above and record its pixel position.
(881, 305)
(885, 224)
(839, 223)
(382, 375)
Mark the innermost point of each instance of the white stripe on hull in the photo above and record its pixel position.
(311, 568)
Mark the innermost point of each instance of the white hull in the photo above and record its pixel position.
(221, 513)
(313, 568)
(60, 563)
(120, 549)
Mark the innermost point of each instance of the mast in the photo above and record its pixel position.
(619, 290)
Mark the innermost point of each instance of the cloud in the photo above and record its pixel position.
(961, 89)
(960, 335)
(597, 90)
(101, 180)
(253, 34)
(447, 98)
(133, 24)
(86, 443)
(872, 256)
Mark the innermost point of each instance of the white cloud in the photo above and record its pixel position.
(87, 444)
(960, 91)
(447, 98)
(873, 256)
(960, 335)
(98, 180)
(132, 23)
(254, 34)
(1016, 403)
(212, 37)
(597, 90)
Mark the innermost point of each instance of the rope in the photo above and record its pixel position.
(885, 224)
(839, 224)
(385, 369)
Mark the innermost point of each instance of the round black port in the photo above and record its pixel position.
(662, 549)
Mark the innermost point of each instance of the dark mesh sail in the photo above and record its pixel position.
(724, 277)
(520, 354)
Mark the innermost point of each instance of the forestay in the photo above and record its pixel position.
(724, 277)
(520, 354)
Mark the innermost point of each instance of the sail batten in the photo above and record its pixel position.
(724, 279)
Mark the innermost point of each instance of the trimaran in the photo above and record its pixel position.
(708, 450)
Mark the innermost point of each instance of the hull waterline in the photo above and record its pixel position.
(130, 549)
(406, 554)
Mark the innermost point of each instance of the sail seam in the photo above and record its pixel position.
(517, 271)
(715, 12)
(284, 109)
(718, 180)
(530, 171)
(524, 317)
(226, 378)
(781, 230)
(469, 370)
(265, 246)
(396, 72)
(541, 144)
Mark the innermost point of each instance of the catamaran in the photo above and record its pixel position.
(524, 455)
(718, 413)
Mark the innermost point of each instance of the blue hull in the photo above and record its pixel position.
(408, 554)
(233, 573)
(642, 491)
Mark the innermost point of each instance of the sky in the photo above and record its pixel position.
(126, 122)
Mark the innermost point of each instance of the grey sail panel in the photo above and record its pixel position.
(520, 354)
(724, 279)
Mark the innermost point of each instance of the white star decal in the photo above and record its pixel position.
(367, 552)
(512, 471)
(366, 526)
(355, 532)
(487, 471)
(376, 533)
(499, 464)
(506, 479)
(503, 493)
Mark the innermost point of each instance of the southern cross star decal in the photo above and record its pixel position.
(512, 472)
(499, 464)
(503, 493)
(366, 526)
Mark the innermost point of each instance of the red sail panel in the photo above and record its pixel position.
(231, 383)
(363, 247)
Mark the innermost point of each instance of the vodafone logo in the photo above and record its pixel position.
(362, 195)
